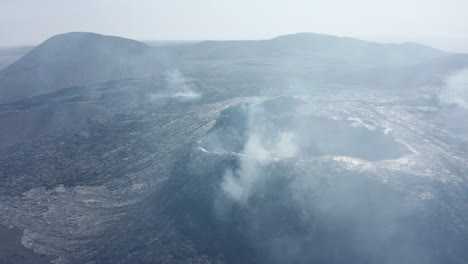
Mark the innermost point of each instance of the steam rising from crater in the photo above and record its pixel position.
(275, 130)
(286, 190)
(264, 144)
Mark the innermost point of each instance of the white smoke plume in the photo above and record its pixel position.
(262, 146)
(455, 90)
(176, 86)
(179, 85)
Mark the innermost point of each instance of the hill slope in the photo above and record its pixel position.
(8, 55)
(75, 59)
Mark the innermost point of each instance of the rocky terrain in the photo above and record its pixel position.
(236, 152)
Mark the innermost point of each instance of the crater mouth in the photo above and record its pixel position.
(277, 128)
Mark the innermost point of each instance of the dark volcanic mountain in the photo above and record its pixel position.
(301, 149)
(76, 59)
(311, 46)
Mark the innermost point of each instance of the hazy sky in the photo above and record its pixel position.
(439, 23)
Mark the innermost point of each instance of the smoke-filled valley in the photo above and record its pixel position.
(305, 148)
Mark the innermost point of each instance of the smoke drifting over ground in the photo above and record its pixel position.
(266, 132)
(455, 90)
(177, 87)
(264, 142)
(298, 188)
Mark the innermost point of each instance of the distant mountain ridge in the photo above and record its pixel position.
(312, 45)
(80, 58)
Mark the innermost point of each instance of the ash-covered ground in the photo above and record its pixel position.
(250, 160)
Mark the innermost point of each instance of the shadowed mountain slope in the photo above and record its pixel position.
(76, 59)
